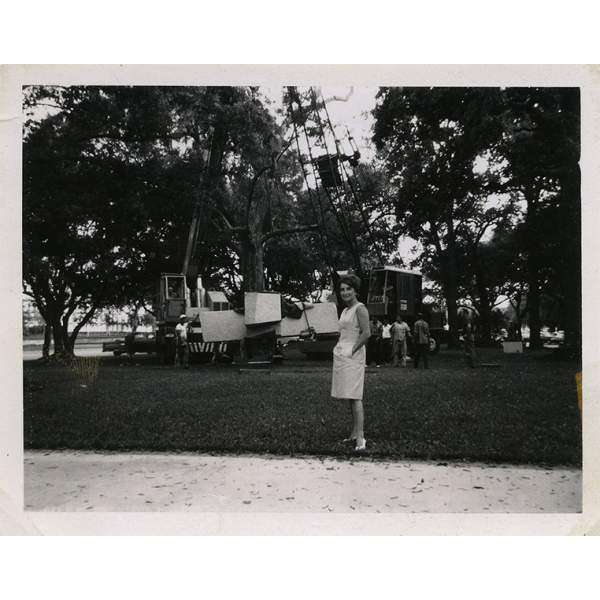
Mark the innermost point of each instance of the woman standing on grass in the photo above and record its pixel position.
(349, 356)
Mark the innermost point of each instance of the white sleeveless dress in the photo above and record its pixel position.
(348, 372)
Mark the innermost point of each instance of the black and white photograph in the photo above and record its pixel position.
(318, 298)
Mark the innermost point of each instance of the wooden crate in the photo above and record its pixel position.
(260, 307)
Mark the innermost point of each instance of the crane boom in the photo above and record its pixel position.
(197, 213)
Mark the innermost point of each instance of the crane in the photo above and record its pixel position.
(183, 293)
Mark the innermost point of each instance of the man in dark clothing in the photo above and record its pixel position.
(469, 344)
(374, 346)
(182, 356)
(421, 339)
(400, 331)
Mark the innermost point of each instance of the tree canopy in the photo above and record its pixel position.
(430, 141)
(113, 175)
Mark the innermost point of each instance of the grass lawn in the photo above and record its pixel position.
(523, 411)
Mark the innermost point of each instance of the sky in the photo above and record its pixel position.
(351, 111)
(354, 113)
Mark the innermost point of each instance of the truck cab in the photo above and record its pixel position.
(394, 291)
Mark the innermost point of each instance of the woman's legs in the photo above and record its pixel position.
(352, 435)
(358, 420)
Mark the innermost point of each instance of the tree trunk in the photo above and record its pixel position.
(335, 281)
(451, 285)
(68, 343)
(134, 319)
(450, 289)
(485, 317)
(534, 321)
(57, 336)
(259, 267)
(63, 347)
(47, 340)
(485, 304)
(254, 274)
(54, 322)
(533, 296)
(252, 240)
(519, 331)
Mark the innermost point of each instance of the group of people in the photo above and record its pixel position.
(388, 342)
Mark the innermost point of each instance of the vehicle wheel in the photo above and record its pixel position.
(434, 345)
(116, 353)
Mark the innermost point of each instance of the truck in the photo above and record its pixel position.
(394, 291)
(131, 344)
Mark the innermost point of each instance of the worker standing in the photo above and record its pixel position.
(375, 341)
(386, 340)
(372, 343)
(400, 330)
(469, 344)
(182, 356)
(421, 334)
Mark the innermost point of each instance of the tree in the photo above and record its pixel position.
(502, 263)
(112, 177)
(541, 144)
(93, 168)
(247, 176)
(430, 140)
(485, 262)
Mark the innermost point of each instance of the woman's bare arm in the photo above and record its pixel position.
(365, 328)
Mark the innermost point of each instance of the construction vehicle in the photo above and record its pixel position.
(394, 291)
(334, 185)
(174, 299)
(183, 293)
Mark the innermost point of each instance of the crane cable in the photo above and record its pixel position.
(324, 242)
(346, 233)
(333, 171)
(351, 186)
(326, 248)
(198, 227)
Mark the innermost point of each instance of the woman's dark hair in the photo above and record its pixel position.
(351, 280)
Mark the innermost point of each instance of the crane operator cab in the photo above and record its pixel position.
(329, 165)
(175, 298)
(172, 297)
